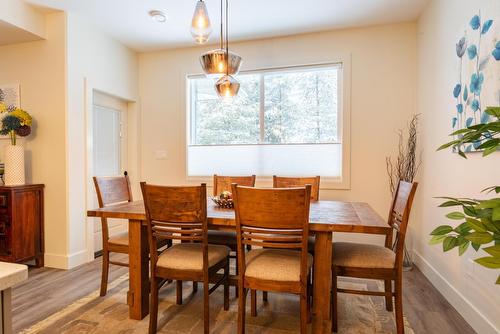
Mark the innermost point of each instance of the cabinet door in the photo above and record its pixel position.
(5, 228)
(25, 223)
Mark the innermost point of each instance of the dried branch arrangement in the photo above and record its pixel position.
(406, 164)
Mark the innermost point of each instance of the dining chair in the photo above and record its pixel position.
(180, 213)
(276, 221)
(377, 262)
(110, 191)
(228, 238)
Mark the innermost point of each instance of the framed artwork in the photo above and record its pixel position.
(478, 79)
(9, 95)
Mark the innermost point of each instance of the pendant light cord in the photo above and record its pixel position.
(227, 38)
(221, 26)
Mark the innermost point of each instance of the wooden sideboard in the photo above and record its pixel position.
(21, 223)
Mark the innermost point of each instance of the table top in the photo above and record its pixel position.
(11, 274)
(334, 216)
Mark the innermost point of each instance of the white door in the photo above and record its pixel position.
(108, 150)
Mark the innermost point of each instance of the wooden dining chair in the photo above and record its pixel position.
(110, 191)
(180, 213)
(377, 262)
(291, 182)
(228, 238)
(277, 220)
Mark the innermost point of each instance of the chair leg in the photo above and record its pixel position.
(400, 329)
(241, 309)
(206, 308)
(303, 312)
(309, 299)
(226, 286)
(253, 302)
(388, 295)
(104, 275)
(236, 291)
(334, 302)
(195, 287)
(179, 292)
(264, 296)
(153, 306)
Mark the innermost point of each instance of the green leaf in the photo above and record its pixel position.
(498, 280)
(491, 226)
(476, 224)
(490, 150)
(449, 243)
(496, 189)
(495, 216)
(449, 203)
(443, 229)
(437, 239)
(475, 246)
(489, 262)
(480, 238)
(455, 215)
(493, 111)
(463, 248)
(489, 204)
(463, 229)
(493, 250)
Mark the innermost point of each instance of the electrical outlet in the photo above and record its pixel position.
(161, 155)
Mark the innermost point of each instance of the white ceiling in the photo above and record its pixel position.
(128, 20)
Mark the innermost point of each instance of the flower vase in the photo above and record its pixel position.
(14, 165)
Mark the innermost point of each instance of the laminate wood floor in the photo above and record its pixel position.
(49, 290)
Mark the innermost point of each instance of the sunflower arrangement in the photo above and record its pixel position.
(16, 122)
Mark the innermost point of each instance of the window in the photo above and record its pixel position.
(286, 121)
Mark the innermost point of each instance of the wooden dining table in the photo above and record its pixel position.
(325, 217)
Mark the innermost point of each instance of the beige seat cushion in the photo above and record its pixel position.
(222, 238)
(189, 256)
(347, 254)
(119, 239)
(275, 264)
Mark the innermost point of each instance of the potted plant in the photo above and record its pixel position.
(479, 219)
(15, 122)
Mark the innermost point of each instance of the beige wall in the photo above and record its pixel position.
(95, 62)
(469, 287)
(39, 67)
(383, 62)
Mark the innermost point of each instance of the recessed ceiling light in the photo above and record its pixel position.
(158, 16)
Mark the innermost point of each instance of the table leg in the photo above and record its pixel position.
(138, 294)
(321, 322)
(5, 308)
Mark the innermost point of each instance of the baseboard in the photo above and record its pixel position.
(65, 261)
(468, 311)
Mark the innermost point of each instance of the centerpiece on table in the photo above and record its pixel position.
(15, 122)
(224, 200)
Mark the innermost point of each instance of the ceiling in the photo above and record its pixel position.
(128, 20)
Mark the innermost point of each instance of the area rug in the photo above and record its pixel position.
(109, 314)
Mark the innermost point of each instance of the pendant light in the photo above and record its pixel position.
(227, 86)
(217, 63)
(200, 24)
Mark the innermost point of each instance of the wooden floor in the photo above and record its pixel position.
(49, 290)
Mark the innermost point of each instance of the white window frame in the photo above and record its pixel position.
(343, 122)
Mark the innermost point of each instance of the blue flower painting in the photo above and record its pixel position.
(477, 86)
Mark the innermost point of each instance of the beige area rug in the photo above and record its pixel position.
(109, 315)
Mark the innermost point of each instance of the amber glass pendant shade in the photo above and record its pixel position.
(200, 24)
(214, 63)
(227, 86)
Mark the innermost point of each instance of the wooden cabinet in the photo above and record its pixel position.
(21, 223)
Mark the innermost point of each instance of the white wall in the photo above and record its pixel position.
(469, 287)
(383, 62)
(39, 67)
(95, 62)
(23, 16)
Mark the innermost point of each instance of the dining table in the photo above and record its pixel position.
(326, 217)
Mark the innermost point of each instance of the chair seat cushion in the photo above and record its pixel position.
(119, 239)
(275, 264)
(222, 237)
(353, 255)
(189, 256)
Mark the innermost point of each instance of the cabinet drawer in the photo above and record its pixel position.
(5, 236)
(4, 200)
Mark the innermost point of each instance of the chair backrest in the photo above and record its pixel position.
(272, 218)
(223, 183)
(292, 182)
(399, 215)
(175, 213)
(112, 190)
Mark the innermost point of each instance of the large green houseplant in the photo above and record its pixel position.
(479, 219)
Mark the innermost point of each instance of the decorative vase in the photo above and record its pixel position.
(14, 165)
